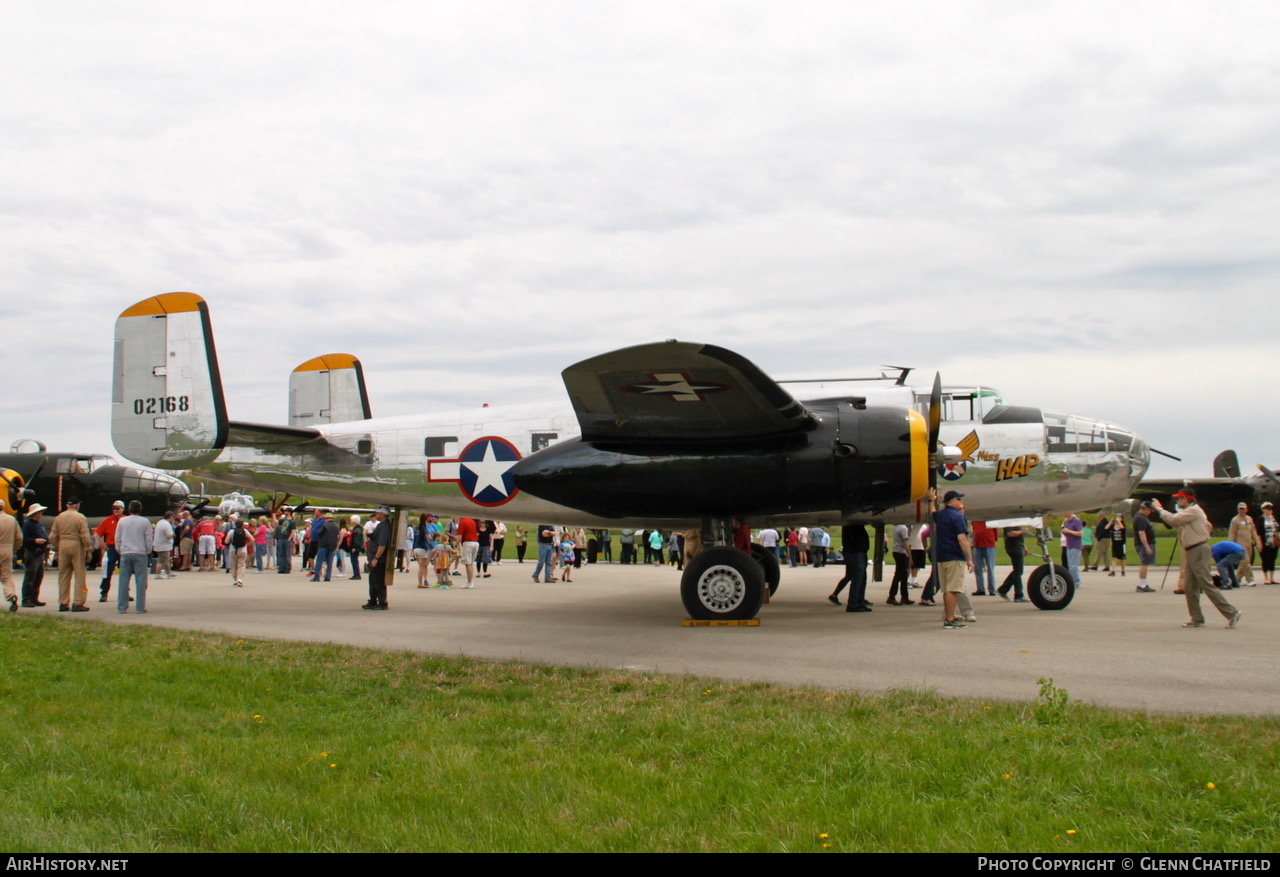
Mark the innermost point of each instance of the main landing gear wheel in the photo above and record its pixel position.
(769, 563)
(1050, 591)
(722, 584)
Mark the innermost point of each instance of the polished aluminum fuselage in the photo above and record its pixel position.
(1013, 463)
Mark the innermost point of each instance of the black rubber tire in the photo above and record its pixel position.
(1047, 592)
(722, 584)
(769, 563)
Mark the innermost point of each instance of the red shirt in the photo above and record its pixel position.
(467, 530)
(107, 529)
(983, 536)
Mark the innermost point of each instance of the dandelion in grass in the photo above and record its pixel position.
(1008, 776)
(1071, 831)
(1210, 786)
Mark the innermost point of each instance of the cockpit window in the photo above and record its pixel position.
(966, 403)
(85, 465)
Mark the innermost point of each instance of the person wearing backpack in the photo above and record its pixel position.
(238, 543)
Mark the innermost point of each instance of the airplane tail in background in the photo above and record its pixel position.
(167, 407)
(1226, 465)
(328, 389)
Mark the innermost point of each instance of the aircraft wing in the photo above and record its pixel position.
(1163, 488)
(269, 437)
(679, 391)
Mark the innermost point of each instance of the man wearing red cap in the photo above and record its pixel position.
(1193, 532)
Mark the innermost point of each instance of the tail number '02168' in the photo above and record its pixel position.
(162, 405)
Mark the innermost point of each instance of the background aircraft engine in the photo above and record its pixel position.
(852, 460)
(13, 491)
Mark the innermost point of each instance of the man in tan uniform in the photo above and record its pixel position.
(10, 544)
(1193, 532)
(70, 537)
(1245, 534)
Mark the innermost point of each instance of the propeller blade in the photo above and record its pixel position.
(935, 427)
(39, 469)
(1271, 476)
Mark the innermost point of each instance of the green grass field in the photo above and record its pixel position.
(127, 739)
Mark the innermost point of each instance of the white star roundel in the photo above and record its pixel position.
(482, 471)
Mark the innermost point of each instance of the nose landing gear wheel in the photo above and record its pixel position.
(722, 584)
(1050, 591)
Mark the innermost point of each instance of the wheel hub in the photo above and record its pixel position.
(721, 588)
(1054, 588)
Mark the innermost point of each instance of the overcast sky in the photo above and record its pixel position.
(1075, 202)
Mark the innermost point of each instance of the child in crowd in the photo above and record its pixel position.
(441, 557)
(566, 557)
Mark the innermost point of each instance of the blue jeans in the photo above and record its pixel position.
(284, 555)
(544, 559)
(1227, 568)
(985, 559)
(323, 556)
(132, 566)
(109, 567)
(855, 570)
(1073, 565)
(260, 554)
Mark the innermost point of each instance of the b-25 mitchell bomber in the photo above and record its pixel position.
(675, 434)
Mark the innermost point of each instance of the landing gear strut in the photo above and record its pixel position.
(1049, 586)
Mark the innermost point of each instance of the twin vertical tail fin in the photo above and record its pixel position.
(328, 389)
(167, 407)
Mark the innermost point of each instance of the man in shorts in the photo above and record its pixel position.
(955, 556)
(469, 539)
(1144, 540)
